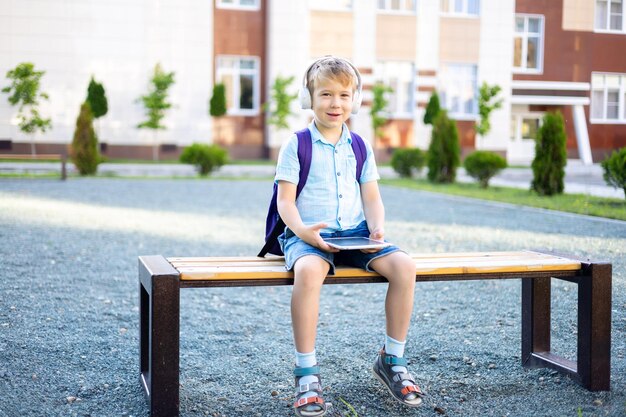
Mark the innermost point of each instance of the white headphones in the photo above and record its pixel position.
(305, 95)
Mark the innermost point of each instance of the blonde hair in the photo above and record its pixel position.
(331, 68)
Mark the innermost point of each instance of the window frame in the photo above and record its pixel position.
(384, 79)
(621, 99)
(333, 7)
(525, 37)
(388, 10)
(444, 81)
(608, 19)
(236, 5)
(519, 118)
(451, 10)
(236, 93)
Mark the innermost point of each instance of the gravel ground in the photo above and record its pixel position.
(69, 310)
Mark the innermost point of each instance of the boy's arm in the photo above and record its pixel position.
(286, 204)
(374, 211)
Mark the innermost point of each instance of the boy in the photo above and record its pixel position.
(333, 203)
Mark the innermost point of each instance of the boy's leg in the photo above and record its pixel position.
(309, 272)
(399, 269)
(390, 366)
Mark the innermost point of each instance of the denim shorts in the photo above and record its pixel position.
(294, 248)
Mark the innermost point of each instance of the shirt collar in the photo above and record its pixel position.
(316, 135)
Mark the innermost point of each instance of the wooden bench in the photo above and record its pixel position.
(39, 157)
(161, 279)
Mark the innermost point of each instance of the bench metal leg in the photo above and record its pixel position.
(159, 324)
(592, 367)
(594, 327)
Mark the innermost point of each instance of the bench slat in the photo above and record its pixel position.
(273, 268)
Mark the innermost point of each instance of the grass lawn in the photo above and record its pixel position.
(573, 203)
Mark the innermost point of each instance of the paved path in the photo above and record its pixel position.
(579, 179)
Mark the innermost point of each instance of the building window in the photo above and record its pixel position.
(239, 4)
(528, 44)
(458, 90)
(524, 126)
(608, 98)
(240, 76)
(610, 15)
(461, 7)
(331, 4)
(398, 76)
(402, 6)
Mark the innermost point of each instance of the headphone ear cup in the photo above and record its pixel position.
(356, 102)
(305, 98)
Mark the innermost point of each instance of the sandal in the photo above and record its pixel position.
(313, 406)
(410, 395)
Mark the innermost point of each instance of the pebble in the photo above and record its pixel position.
(440, 410)
(597, 402)
(70, 399)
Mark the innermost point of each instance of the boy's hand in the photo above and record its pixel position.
(376, 234)
(311, 235)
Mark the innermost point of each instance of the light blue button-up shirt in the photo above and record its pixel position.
(332, 194)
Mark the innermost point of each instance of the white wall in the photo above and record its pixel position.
(119, 42)
(495, 67)
(288, 55)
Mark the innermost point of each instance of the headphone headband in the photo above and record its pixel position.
(305, 94)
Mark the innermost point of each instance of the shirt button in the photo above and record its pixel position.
(340, 195)
(339, 174)
(339, 218)
(336, 151)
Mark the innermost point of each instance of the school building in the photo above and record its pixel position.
(545, 55)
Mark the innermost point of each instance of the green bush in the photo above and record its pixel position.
(615, 169)
(406, 161)
(444, 152)
(550, 156)
(483, 165)
(206, 158)
(432, 109)
(84, 150)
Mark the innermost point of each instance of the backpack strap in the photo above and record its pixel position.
(360, 152)
(305, 150)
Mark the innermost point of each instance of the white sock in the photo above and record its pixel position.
(306, 360)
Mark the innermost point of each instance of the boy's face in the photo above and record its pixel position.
(332, 105)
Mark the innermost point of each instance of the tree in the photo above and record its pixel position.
(444, 150)
(24, 92)
(84, 151)
(550, 156)
(156, 103)
(432, 109)
(97, 99)
(614, 168)
(281, 100)
(217, 104)
(379, 106)
(487, 103)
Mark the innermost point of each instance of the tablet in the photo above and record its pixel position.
(350, 243)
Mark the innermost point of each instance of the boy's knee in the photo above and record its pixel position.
(310, 271)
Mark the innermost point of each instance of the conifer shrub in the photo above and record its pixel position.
(444, 152)
(84, 150)
(483, 165)
(432, 108)
(206, 158)
(615, 169)
(550, 156)
(408, 161)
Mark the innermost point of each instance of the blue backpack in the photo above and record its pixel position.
(274, 225)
